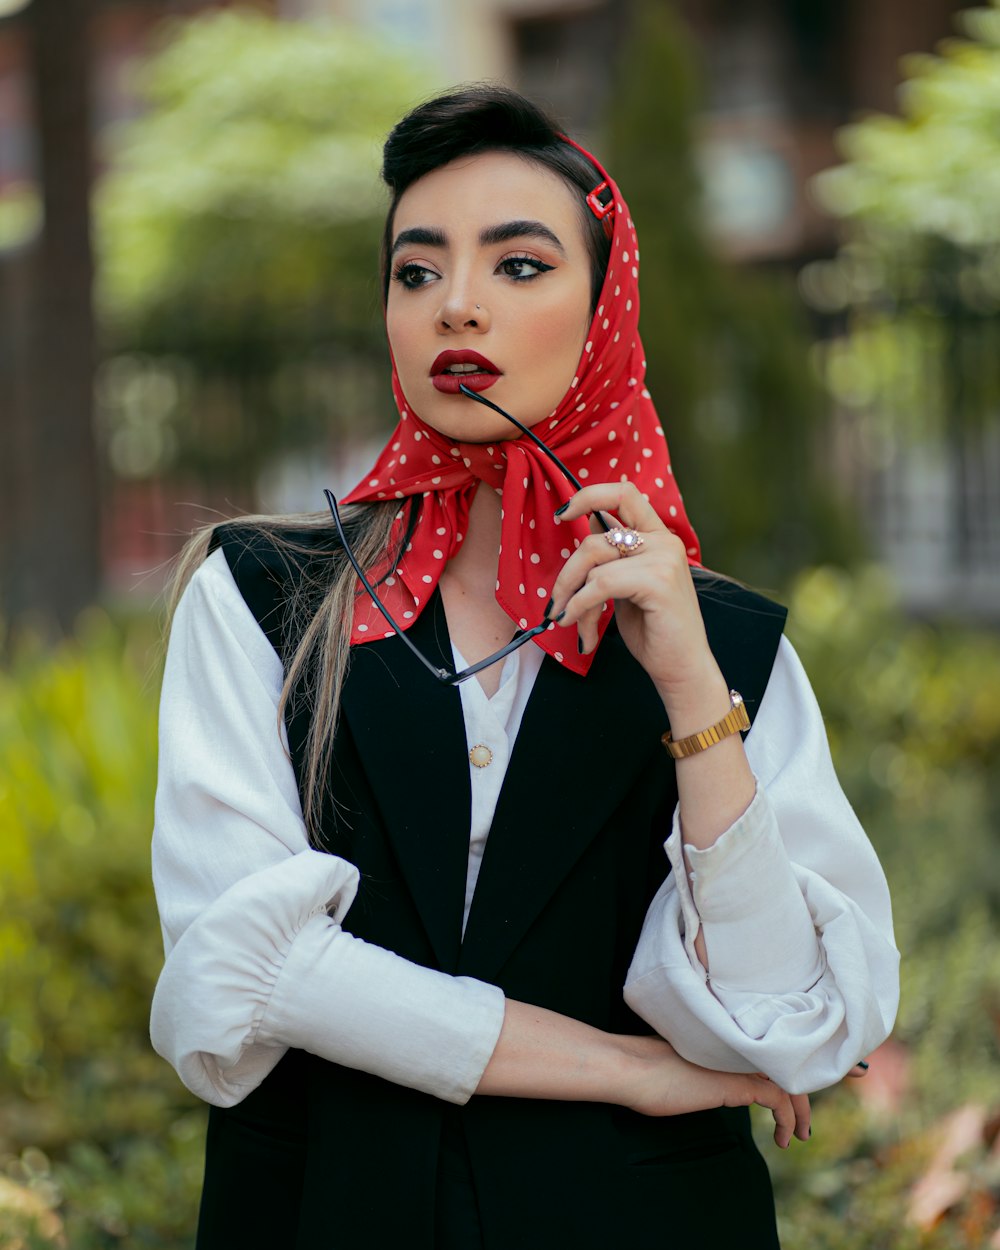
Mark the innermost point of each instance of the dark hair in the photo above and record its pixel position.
(487, 118)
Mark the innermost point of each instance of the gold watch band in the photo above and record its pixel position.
(733, 721)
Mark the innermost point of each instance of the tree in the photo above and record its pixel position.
(727, 350)
(49, 552)
(917, 278)
(238, 231)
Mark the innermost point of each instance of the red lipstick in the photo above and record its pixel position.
(447, 378)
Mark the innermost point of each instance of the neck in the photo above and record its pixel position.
(476, 622)
(476, 561)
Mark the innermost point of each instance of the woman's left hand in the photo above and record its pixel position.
(655, 601)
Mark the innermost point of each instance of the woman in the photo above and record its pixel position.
(397, 949)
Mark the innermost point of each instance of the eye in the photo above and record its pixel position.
(412, 276)
(523, 268)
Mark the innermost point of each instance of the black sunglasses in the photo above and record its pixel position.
(446, 675)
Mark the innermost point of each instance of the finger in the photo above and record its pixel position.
(591, 553)
(784, 1119)
(594, 519)
(624, 499)
(802, 1110)
(594, 576)
(859, 1070)
(588, 628)
(589, 620)
(766, 1094)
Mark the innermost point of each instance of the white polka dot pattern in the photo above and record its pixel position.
(609, 386)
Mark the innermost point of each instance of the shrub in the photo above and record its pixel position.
(80, 947)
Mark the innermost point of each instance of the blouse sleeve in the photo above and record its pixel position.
(804, 972)
(256, 959)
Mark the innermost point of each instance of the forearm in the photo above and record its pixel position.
(792, 906)
(541, 1054)
(716, 786)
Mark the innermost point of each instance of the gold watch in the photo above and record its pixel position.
(733, 721)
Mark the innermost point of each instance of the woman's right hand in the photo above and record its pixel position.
(658, 1082)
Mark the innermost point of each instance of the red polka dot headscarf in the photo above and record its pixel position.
(605, 429)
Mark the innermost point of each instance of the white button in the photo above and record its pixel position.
(481, 756)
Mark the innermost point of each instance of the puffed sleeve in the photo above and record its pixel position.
(256, 958)
(804, 972)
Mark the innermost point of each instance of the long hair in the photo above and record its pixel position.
(475, 119)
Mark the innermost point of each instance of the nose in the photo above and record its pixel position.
(459, 311)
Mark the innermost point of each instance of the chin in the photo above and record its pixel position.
(478, 432)
(464, 421)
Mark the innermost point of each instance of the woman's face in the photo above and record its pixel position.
(490, 284)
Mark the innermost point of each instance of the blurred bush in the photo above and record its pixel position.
(237, 232)
(913, 715)
(96, 1131)
(245, 199)
(912, 299)
(91, 1121)
(727, 345)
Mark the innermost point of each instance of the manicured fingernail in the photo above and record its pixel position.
(560, 511)
(861, 1064)
(553, 620)
(579, 645)
(810, 1130)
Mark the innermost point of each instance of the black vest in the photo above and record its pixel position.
(327, 1157)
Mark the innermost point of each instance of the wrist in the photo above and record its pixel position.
(627, 1065)
(644, 1066)
(613, 1069)
(697, 704)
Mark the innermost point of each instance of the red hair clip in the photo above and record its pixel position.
(603, 208)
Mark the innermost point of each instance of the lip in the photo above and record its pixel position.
(448, 383)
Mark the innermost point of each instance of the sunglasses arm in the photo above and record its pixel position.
(567, 473)
(441, 674)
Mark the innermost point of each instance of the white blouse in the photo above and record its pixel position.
(792, 900)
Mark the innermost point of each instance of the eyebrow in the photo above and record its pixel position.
(429, 236)
(519, 230)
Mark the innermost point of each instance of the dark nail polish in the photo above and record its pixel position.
(810, 1130)
(861, 1064)
(579, 645)
(548, 609)
(557, 619)
(561, 510)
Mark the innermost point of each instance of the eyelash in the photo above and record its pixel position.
(404, 273)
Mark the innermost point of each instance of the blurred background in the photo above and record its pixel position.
(190, 327)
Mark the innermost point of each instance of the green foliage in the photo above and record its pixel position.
(934, 170)
(919, 271)
(90, 1118)
(238, 233)
(913, 715)
(727, 350)
(245, 198)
